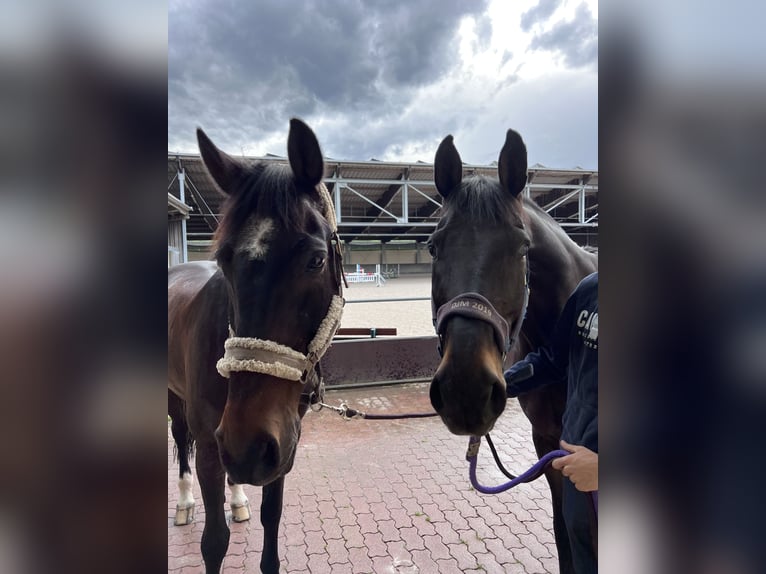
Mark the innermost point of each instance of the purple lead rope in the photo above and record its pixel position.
(534, 472)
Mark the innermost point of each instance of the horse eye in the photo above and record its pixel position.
(431, 250)
(317, 262)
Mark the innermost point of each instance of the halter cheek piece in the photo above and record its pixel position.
(475, 306)
(268, 357)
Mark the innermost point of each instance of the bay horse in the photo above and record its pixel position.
(245, 332)
(496, 257)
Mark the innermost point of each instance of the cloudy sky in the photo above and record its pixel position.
(387, 79)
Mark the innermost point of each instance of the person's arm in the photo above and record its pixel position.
(535, 370)
(548, 364)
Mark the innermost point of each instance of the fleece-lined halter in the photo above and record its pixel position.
(270, 358)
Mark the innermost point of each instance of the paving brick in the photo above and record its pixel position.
(436, 547)
(233, 563)
(345, 568)
(531, 564)
(353, 536)
(480, 527)
(332, 529)
(446, 532)
(346, 516)
(543, 534)
(401, 518)
(433, 512)
(489, 565)
(533, 545)
(293, 531)
(312, 522)
(424, 526)
(398, 551)
(380, 510)
(366, 523)
(360, 505)
(499, 549)
(318, 564)
(448, 566)
(375, 545)
(327, 509)
(337, 552)
(361, 561)
(425, 565)
(388, 530)
(405, 498)
(315, 543)
(411, 505)
(412, 538)
(296, 553)
(550, 564)
(456, 519)
(474, 542)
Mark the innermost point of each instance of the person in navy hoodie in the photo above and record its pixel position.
(571, 358)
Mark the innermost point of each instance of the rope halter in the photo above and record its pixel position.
(249, 354)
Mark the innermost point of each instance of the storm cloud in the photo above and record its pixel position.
(539, 13)
(575, 40)
(384, 79)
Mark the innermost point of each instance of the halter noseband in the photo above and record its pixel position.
(475, 306)
(268, 357)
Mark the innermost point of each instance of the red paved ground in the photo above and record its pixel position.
(389, 497)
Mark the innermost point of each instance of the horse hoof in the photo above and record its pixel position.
(240, 512)
(184, 515)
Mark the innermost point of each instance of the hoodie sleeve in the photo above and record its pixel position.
(547, 365)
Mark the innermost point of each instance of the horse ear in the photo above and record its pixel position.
(448, 167)
(512, 165)
(304, 154)
(224, 169)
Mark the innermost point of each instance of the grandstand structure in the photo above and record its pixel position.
(387, 210)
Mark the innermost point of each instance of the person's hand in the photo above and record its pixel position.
(581, 467)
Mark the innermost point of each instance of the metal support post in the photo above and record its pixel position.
(182, 193)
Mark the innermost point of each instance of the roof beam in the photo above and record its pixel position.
(381, 203)
(426, 211)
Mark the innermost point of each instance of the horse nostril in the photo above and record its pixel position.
(498, 397)
(436, 397)
(265, 450)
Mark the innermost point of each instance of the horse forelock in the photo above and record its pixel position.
(483, 201)
(266, 198)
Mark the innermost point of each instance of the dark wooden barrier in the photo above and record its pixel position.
(370, 332)
(381, 361)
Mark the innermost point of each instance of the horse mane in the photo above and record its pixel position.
(482, 200)
(266, 190)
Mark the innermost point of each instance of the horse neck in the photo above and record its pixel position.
(557, 265)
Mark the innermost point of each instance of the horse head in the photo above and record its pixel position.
(275, 248)
(479, 284)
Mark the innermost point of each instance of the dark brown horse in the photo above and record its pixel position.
(488, 242)
(245, 332)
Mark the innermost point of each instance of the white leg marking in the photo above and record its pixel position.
(240, 505)
(185, 506)
(238, 496)
(186, 498)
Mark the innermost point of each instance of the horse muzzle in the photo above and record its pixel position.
(468, 390)
(262, 459)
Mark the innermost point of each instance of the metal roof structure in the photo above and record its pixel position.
(387, 201)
